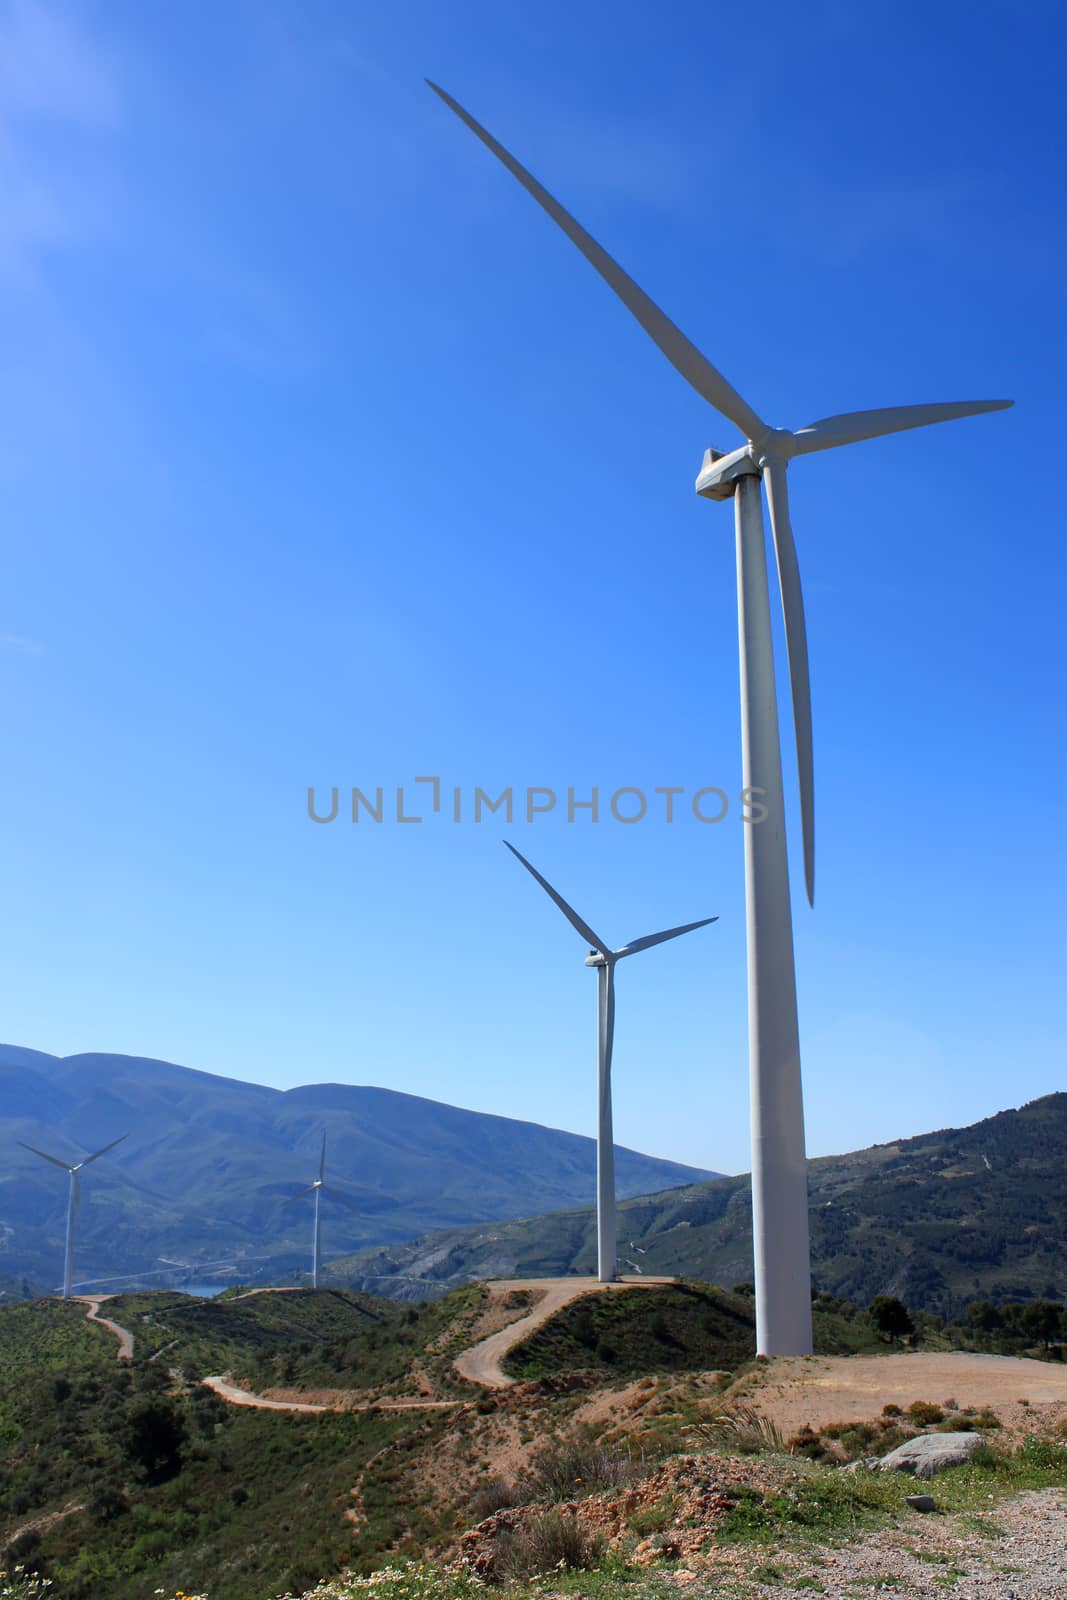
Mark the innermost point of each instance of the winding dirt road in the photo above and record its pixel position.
(123, 1335)
(237, 1396)
(244, 1397)
(481, 1363)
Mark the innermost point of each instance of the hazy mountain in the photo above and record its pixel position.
(210, 1162)
(939, 1220)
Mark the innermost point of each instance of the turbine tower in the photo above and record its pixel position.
(779, 1180)
(604, 959)
(73, 1200)
(318, 1189)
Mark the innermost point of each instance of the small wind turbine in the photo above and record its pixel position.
(604, 959)
(779, 1176)
(318, 1189)
(73, 1201)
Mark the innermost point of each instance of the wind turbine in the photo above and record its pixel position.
(318, 1189)
(604, 959)
(779, 1180)
(74, 1199)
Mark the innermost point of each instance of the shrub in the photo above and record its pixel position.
(892, 1411)
(744, 1430)
(561, 1471)
(806, 1442)
(859, 1438)
(107, 1502)
(496, 1495)
(924, 1413)
(543, 1544)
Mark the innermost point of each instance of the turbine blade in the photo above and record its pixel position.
(65, 1165)
(796, 644)
(98, 1153)
(571, 915)
(684, 356)
(322, 1160)
(300, 1195)
(650, 939)
(852, 426)
(335, 1194)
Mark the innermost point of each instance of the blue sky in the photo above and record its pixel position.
(325, 460)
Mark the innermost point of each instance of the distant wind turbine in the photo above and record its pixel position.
(604, 959)
(73, 1201)
(318, 1189)
(779, 1175)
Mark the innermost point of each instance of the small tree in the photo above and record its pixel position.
(1041, 1319)
(984, 1316)
(890, 1317)
(154, 1435)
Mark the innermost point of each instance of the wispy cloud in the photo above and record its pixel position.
(55, 81)
(49, 67)
(14, 644)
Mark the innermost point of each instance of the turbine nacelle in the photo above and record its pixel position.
(719, 474)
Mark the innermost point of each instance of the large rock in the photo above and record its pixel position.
(930, 1453)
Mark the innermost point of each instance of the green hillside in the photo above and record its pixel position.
(135, 1471)
(938, 1220)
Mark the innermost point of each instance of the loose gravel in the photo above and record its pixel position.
(1015, 1551)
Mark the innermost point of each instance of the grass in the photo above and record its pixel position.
(418, 1581)
(744, 1430)
(828, 1504)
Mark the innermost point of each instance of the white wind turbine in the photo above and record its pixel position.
(604, 959)
(779, 1180)
(73, 1200)
(318, 1189)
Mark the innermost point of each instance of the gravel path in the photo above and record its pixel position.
(1015, 1551)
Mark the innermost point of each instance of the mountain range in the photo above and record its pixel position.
(210, 1164)
(938, 1220)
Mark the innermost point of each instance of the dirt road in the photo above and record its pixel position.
(245, 1397)
(481, 1363)
(825, 1389)
(123, 1335)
